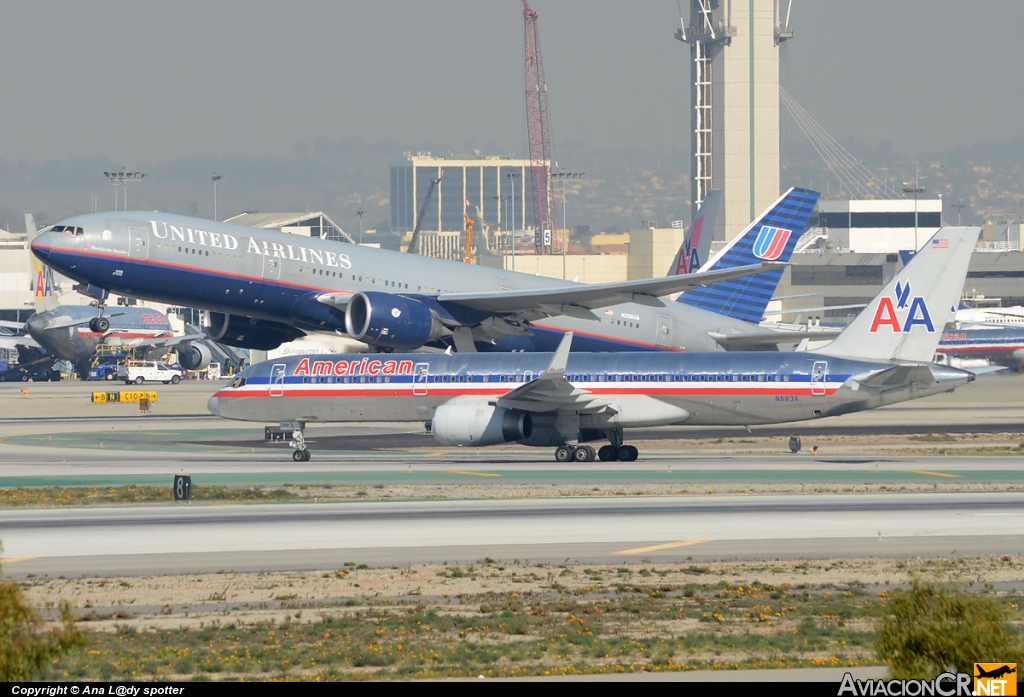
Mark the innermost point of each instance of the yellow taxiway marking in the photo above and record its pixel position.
(934, 474)
(655, 548)
(11, 560)
(475, 474)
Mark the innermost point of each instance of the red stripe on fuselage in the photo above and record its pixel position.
(359, 390)
(199, 269)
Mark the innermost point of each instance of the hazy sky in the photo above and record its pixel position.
(146, 81)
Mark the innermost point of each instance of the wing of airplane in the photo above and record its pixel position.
(551, 301)
(550, 390)
(11, 343)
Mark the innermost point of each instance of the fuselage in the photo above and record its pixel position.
(128, 326)
(999, 344)
(711, 388)
(275, 276)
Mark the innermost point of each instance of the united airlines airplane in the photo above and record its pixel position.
(73, 332)
(564, 401)
(262, 288)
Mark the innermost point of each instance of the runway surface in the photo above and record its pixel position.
(191, 538)
(54, 436)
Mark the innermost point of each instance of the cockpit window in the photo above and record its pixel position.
(69, 229)
(237, 382)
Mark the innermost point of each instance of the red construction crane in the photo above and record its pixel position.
(538, 129)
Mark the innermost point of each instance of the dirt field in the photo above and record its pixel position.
(497, 619)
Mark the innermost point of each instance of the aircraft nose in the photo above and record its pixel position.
(40, 246)
(214, 405)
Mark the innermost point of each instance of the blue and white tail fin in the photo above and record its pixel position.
(772, 237)
(42, 276)
(697, 243)
(905, 321)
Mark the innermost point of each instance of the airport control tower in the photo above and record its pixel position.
(734, 117)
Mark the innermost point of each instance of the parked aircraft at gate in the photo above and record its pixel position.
(263, 288)
(882, 357)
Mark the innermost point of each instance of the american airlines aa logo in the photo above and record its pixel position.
(886, 314)
(44, 283)
(688, 260)
(771, 242)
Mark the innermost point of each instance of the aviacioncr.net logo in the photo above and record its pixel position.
(902, 316)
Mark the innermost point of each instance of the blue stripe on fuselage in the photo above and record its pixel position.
(269, 299)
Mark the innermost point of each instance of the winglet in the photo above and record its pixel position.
(561, 357)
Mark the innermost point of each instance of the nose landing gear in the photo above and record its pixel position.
(298, 442)
(99, 325)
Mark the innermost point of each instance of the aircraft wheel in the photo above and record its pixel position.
(563, 454)
(608, 453)
(175, 380)
(307, 455)
(299, 455)
(100, 325)
(139, 380)
(585, 453)
(628, 453)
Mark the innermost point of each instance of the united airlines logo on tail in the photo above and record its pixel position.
(888, 315)
(771, 242)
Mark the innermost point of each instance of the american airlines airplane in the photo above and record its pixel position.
(262, 288)
(562, 401)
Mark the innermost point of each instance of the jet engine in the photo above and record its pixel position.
(472, 421)
(194, 356)
(391, 321)
(247, 332)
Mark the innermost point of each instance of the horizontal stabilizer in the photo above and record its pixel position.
(898, 376)
(738, 341)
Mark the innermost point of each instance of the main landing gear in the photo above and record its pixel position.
(573, 453)
(608, 453)
(623, 453)
(298, 442)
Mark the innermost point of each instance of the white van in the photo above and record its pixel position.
(139, 372)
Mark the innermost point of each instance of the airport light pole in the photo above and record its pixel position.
(563, 175)
(501, 233)
(216, 178)
(915, 189)
(121, 179)
(959, 207)
(513, 176)
(360, 213)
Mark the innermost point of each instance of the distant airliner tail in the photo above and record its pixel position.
(905, 321)
(771, 237)
(42, 276)
(697, 243)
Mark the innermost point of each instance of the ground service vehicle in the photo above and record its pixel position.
(139, 372)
